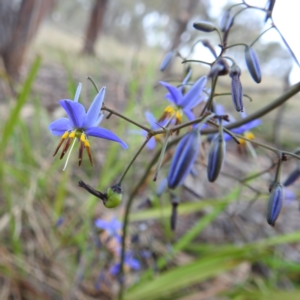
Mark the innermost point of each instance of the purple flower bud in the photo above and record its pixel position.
(215, 158)
(167, 61)
(226, 20)
(253, 64)
(204, 26)
(275, 203)
(220, 67)
(185, 155)
(292, 178)
(236, 87)
(208, 45)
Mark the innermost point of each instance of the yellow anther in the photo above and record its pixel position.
(82, 137)
(170, 110)
(178, 116)
(72, 134)
(65, 135)
(86, 144)
(247, 134)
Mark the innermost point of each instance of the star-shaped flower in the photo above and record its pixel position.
(80, 125)
(183, 103)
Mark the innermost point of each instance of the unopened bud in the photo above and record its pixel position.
(236, 87)
(226, 20)
(275, 203)
(185, 155)
(167, 61)
(204, 26)
(292, 178)
(253, 64)
(215, 158)
(219, 68)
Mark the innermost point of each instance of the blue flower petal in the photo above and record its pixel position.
(151, 119)
(75, 111)
(76, 98)
(133, 263)
(60, 126)
(151, 143)
(190, 115)
(176, 96)
(105, 134)
(193, 96)
(115, 269)
(92, 116)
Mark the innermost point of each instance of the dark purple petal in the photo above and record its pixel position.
(176, 95)
(292, 178)
(60, 126)
(105, 134)
(75, 111)
(92, 116)
(275, 203)
(193, 96)
(185, 156)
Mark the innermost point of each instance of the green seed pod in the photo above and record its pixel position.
(113, 196)
(204, 26)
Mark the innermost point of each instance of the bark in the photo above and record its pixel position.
(94, 26)
(20, 32)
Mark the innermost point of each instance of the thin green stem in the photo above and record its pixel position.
(211, 96)
(229, 94)
(163, 150)
(132, 160)
(260, 36)
(235, 45)
(111, 111)
(196, 61)
(293, 90)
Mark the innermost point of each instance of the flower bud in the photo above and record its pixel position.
(275, 203)
(113, 196)
(204, 26)
(208, 45)
(236, 87)
(219, 68)
(185, 155)
(215, 158)
(226, 21)
(167, 61)
(253, 64)
(292, 178)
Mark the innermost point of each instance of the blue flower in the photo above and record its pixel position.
(183, 103)
(80, 125)
(111, 227)
(129, 262)
(243, 129)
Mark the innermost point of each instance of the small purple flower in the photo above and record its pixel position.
(111, 227)
(219, 110)
(183, 102)
(80, 125)
(184, 158)
(129, 261)
(275, 203)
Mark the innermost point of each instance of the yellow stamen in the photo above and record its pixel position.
(247, 134)
(178, 116)
(72, 134)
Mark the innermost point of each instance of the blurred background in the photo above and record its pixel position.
(223, 247)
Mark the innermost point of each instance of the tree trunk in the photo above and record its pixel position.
(22, 30)
(94, 26)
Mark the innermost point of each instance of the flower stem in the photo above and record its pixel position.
(132, 160)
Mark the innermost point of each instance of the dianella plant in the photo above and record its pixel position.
(193, 129)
